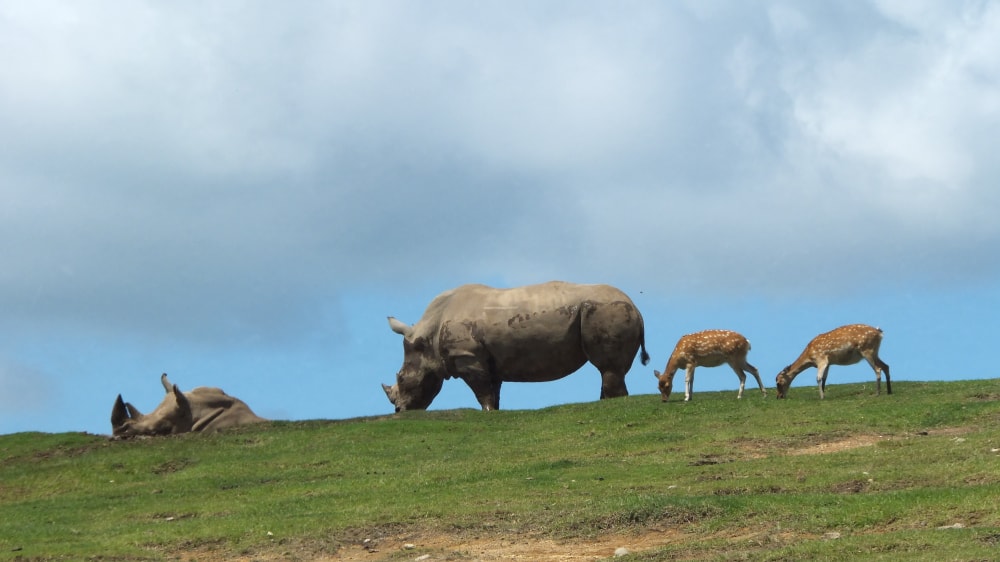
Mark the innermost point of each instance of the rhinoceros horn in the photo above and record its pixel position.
(390, 392)
(123, 412)
(133, 412)
(119, 414)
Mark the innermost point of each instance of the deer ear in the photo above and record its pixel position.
(656, 373)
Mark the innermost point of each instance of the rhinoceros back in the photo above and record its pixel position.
(538, 332)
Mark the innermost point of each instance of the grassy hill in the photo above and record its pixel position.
(915, 475)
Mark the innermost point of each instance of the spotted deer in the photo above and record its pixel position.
(845, 345)
(709, 348)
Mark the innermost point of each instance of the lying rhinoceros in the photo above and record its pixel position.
(202, 409)
(486, 336)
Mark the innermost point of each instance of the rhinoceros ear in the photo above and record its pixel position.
(168, 387)
(185, 416)
(182, 401)
(401, 328)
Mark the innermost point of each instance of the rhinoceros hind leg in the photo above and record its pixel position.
(611, 334)
(613, 384)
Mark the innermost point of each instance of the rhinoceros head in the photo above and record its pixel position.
(173, 415)
(420, 378)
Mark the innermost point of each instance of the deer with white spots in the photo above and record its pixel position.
(845, 345)
(709, 348)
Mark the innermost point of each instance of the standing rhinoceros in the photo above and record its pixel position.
(486, 336)
(202, 409)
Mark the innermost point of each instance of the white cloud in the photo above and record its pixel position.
(910, 104)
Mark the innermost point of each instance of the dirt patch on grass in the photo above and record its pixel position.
(492, 549)
(437, 547)
(761, 448)
(948, 431)
(844, 444)
(867, 440)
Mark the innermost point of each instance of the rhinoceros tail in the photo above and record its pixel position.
(643, 357)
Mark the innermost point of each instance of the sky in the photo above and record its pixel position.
(239, 193)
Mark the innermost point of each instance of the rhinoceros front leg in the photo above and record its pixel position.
(484, 384)
(487, 393)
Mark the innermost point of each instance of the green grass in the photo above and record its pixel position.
(720, 474)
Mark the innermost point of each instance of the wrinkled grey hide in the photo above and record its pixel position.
(536, 333)
(202, 409)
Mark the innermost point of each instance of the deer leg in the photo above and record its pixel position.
(878, 366)
(753, 371)
(885, 368)
(688, 382)
(743, 379)
(878, 376)
(822, 369)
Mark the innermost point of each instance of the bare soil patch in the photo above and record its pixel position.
(437, 547)
(866, 440)
(493, 549)
(852, 442)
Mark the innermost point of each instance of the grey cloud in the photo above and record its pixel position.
(24, 389)
(221, 172)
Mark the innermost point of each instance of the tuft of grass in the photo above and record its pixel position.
(855, 475)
